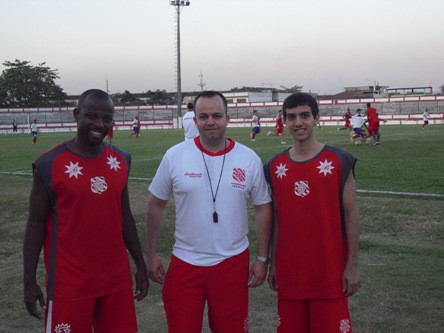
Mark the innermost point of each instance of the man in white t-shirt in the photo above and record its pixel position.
(189, 126)
(211, 179)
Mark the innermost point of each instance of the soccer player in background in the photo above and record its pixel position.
(255, 125)
(189, 126)
(136, 127)
(314, 249)
(279, 131)
(34, 131)
(80, 214)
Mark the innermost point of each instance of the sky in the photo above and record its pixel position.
(321, 45)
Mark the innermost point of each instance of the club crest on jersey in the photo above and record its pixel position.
(239, 175)
(62, 328)
(98, 185)
(301, 188)
(344, 326)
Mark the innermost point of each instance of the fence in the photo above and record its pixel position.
(403, 110)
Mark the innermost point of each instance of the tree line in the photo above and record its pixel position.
(25, 85)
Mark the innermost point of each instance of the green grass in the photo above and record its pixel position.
(402, 251)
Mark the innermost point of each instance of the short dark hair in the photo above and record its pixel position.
(212, 93)
(92, 92)
(369, 105)
(300, 99)
(190, 106)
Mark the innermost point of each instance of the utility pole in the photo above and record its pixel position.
(201, 83)
(179, 4)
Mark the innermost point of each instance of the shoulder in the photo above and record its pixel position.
(345, 157)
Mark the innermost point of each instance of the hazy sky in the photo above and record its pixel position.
(322, 45)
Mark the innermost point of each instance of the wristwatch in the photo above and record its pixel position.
(265, 260)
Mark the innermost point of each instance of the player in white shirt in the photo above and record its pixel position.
(255, 125)
(189, 126)
(357, 121)
(34, 131)
(425, 117)
(211, 178)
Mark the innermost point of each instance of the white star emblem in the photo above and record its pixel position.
(73, 169)
(113, 163)
(281, 170)
(325, 167)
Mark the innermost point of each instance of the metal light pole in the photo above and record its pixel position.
(178, 4)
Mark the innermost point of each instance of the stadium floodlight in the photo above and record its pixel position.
(178, 4)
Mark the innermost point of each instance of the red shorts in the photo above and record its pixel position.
(224, 287)
(374, 127)
(112, 313)
(279, 130)
(314, 316)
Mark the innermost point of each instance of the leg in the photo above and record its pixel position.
(184, 296)
(228, 295)
(293, 316)
(330, 315)
(115, 313)
(74, 316)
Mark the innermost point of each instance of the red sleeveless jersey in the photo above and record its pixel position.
(84, 251)
(312, 247)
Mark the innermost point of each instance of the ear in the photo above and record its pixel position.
(228, 118)
(76, 113)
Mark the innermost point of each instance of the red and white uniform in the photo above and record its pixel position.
(312, 246)
(84, 251)
(348, 115)
(189, 126)
(279, 124)
(373, 117)
(182, 173)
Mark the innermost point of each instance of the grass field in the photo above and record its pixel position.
(402, 228)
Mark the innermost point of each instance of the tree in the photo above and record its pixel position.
(24, 85)
(160, 97)
(442, 88)
(293, 89)
(128, 98)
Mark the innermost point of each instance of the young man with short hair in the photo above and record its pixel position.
(314, 250)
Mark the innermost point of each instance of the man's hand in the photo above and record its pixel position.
(142, 285)
(257, 274)
(156, 271)
(32, 294)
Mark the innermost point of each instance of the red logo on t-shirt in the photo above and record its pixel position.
(239, 175)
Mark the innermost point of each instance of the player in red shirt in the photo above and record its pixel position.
(279, 127)
(314, 251)
(373, 121)
(347, 116)
(80, 214)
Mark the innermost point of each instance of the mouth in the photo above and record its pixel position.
(96, 134)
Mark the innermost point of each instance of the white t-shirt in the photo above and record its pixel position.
(425, 116)
(357, 121)
(34, 127)
(189, 127)
(255, 121)
(182, 173)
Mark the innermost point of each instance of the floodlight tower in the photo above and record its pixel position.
(179, 4)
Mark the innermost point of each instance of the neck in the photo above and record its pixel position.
(83, 149)
(302, 151)
(214, 147)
